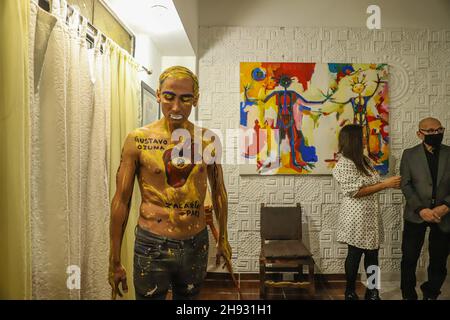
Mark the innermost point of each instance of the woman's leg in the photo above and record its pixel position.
(370, 259)
(351, 267)
(372, 269)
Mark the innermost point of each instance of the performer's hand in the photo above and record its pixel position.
(429, 215)
(117, 275)
(219, 255)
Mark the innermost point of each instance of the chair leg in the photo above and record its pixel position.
(312, 284)
(262, 281)
(300, 272)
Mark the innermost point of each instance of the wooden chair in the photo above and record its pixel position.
(282, 249)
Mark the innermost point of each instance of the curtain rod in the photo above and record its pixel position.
(92, 30)
(114, 15)
(123, 25)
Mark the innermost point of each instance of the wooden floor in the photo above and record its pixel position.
(219, 286)
(330, 288)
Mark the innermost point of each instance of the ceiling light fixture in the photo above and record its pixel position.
(159, 9)
(159, 6)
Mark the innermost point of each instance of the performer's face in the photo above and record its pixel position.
(176, 97)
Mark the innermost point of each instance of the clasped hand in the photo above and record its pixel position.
(433, 215)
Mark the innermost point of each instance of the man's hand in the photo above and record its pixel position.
(429, 215)
(441, 210)
(117, 275)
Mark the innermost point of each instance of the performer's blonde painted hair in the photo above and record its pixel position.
(180, 73)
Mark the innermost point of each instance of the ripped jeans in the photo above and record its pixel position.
(161, 263)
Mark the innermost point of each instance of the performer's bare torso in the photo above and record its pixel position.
(173, 190)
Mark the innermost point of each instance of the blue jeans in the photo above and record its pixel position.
(161, 263)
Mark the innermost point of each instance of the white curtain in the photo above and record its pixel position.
(69, 179)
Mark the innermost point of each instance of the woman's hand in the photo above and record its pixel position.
(392, 182)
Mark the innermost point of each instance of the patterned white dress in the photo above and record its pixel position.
(359, 222)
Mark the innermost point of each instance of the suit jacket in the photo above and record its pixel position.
(417, 184)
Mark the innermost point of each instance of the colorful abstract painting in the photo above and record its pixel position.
(291, 114)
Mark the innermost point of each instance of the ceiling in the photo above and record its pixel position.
(323, 13)
(159, 20)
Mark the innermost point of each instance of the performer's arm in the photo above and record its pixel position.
(120, 209)
(219, 195)
(220, 204)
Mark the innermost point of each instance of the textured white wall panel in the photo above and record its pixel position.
(419, 67)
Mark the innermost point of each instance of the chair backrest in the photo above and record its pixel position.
(281, 223)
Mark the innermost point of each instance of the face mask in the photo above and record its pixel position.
(434, 140)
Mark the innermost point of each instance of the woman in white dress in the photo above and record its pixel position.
(359, 224)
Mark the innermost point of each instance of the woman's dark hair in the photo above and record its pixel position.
(351, 147)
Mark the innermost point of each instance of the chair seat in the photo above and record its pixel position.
(285, 249)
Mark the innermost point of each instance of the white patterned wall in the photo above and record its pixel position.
(419, 66)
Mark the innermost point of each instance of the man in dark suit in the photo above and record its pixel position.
(425, 171)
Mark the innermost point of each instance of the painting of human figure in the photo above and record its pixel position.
(291, 114)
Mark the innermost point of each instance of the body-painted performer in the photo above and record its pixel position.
(171, 248)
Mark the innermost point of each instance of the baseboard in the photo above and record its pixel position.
(421, 275)
(327, 277)
(255, 276)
